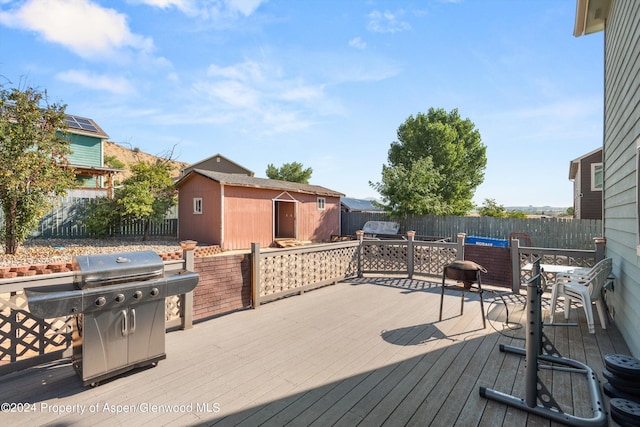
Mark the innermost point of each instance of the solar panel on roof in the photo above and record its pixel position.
(80, 123)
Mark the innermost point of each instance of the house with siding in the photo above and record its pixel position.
(87, 157)
(234, 210)
(620, 21)
(586, 174)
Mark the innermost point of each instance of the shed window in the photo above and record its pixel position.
(321, 203)
(596, 176)
(197, 205)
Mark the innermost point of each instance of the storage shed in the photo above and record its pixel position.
(233, 210)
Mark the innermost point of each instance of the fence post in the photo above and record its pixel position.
(360, 236)
(514, 253)
(410, 236)
(255, 275)
(460, 241)
(601, 247)
(188, 255)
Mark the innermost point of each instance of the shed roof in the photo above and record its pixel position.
(238, 180)
(201, 162)
(359, 204)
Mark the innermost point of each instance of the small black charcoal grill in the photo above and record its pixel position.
(119, 304)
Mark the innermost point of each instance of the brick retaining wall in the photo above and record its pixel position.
(496, 260)
(224, 286)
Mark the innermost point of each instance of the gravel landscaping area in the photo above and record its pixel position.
(47, 251)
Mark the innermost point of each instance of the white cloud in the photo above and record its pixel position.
(358, 43)
(232, 94)
(246, 7)
(301, 93)
(387, 22)
(260, 95)
(89, 30)
(165, 4)
(245, 71)
(207, 9)
(117, 85)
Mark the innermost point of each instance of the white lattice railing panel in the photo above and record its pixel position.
(284, 272)
(172, 308)
(391, 258)
(23, 336)
(430, 260)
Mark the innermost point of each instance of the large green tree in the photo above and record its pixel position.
(292, 172)
(456, 159)
(33, 161)
(145, 196)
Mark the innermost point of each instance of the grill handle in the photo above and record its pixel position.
(132, 330)
(124, 323)
(100, 280)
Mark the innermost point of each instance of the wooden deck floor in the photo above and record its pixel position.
(363, 352)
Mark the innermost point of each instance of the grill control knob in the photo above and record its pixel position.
(100, 301)
(119, 298)
(154, 292)
(137, 295)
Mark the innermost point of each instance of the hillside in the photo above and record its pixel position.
(130, 157)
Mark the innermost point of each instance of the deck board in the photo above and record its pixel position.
(366, 352)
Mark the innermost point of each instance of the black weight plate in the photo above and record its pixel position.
(613, 392)
(625, 412)
(623, 365)
(632, 387)
(622, 421)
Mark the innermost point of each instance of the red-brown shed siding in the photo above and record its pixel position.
(318, 225)
(248, 214)
(248, 217)
(204, 227)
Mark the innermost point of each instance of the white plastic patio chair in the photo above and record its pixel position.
(586, 288)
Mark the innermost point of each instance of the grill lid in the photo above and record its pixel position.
(92, 271)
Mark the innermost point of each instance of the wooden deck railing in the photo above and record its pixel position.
(278, 273)
(275, 273)
(521, 257)
(26, 340)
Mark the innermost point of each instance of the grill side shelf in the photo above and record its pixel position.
(182, 282)
(47, 302)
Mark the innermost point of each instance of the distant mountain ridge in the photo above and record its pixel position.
(537, 209)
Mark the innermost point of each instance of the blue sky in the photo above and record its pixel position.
(324, 83)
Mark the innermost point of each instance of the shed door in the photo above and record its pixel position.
(285, 220)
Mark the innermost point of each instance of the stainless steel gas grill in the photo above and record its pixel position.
(118, 301)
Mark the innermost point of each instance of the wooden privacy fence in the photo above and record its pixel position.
(64, 221)
(544, 232)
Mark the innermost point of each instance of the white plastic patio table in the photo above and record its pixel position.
(554, 268)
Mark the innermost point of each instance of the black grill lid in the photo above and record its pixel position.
(92, 271)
